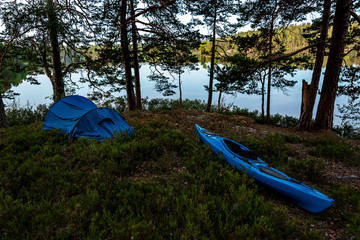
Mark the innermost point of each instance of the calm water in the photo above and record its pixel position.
(193, 88)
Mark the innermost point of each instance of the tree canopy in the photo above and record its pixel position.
(109, 40)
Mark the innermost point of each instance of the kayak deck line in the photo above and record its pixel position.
(245, 160)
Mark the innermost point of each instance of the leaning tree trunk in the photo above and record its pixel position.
(212, 63)
(309, 91)
(263, 99)
(136, 59)
(180, 90)
(126, 57)
(3, 122)
(269, 72)
(57, 77)
(325, 112)
(219, 101)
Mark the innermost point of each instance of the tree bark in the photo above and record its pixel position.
(57, 77)
(135, 59)
(263, 99)
(180, 90)
(3, 122)
(269, 72)
(126, 57)
(325, 112)
(306, 98)
(212, 64)
(310, 91)
(219, 101)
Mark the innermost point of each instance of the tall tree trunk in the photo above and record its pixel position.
(310, 91)
(135, 59)
(269, 71)
(3, 122)
(263, 99)
(180, 90)
(325, 112)
(212, 64)
(126, 57)
(57, 77)
(219, 101)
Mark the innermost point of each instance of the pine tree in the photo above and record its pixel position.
(325, 112)
(12, 67)
(154, 22)
(173, 57)
(53, 33)
(309, 92)
(267, 16)
(215, 14)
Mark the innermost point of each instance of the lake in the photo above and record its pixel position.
(193, 88)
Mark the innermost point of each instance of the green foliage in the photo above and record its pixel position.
(246, 112)
(311, 169)
(310, 233)
(272, 148)
(275, 120)
(158, 184)
(17, 115)
(354, 227)
(332, 148)
(346, 197)
(347, 200)
(347, 131)
(158, 104)
(283, 121)
(350, 112)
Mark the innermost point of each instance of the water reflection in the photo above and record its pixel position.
(193, 88)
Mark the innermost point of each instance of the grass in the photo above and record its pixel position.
(161, 183)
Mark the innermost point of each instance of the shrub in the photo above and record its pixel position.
(156, 184)
(310, 168)
(347, 201)
(354, 226)
(275, 120)
(333, 148)
(160, 104)
(16, 115)
(272, 148)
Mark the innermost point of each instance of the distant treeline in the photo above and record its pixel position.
(292, 37)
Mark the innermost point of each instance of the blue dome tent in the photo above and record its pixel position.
(80, 117)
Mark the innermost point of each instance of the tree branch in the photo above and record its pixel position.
(43, 59)
(67, 69)
(357, 18)
(146, 10)
(291, 54)
(222, 50)
(5, 49)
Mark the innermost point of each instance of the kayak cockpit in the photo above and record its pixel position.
(238, 150)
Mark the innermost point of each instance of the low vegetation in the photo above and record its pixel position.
(164, 183)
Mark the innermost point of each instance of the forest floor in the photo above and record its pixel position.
(164, 183)
(335, 172)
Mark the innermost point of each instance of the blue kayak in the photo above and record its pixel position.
(245, 160)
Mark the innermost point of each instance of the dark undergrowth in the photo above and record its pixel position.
(23, 115)
(163, 183)
(159, 184)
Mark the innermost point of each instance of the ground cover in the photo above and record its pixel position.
(164, 183)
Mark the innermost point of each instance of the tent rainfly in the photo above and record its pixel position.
(80, 117)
